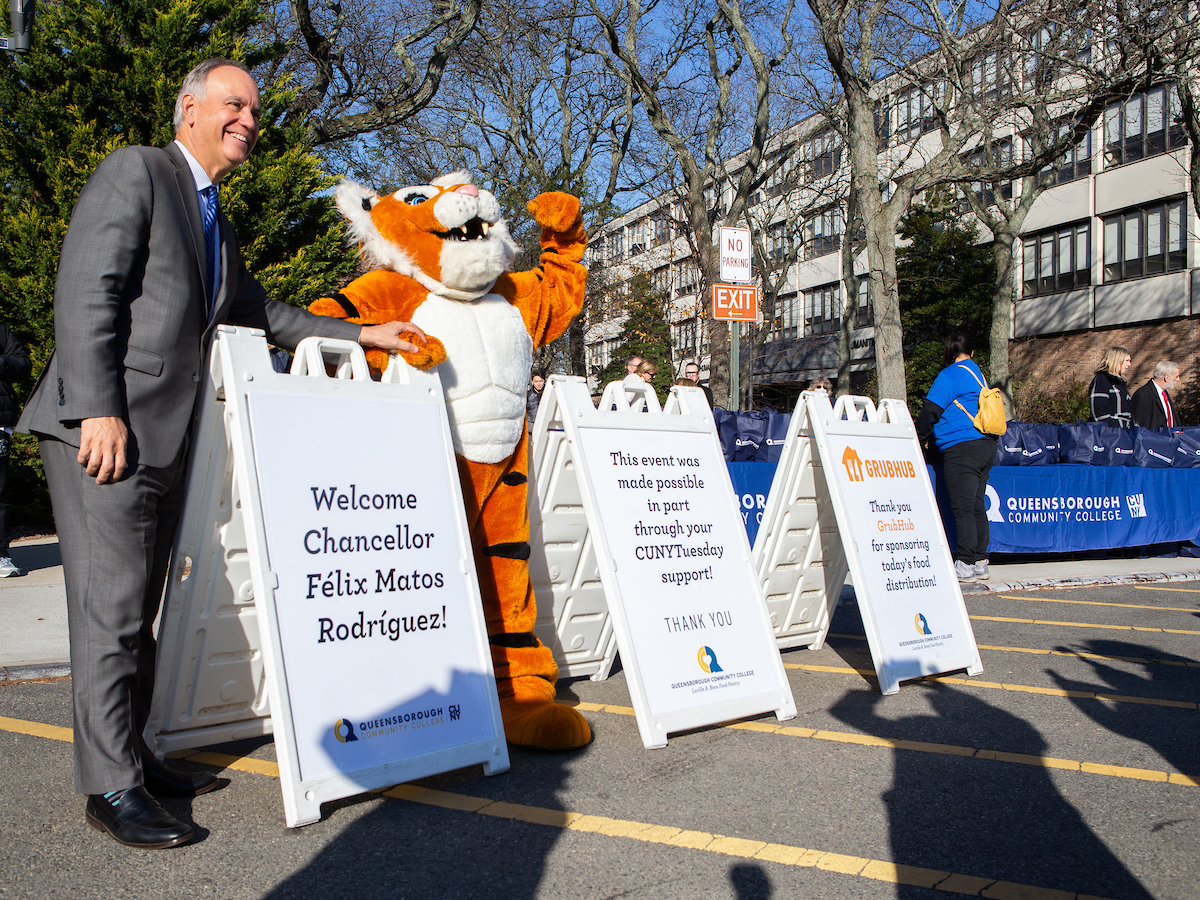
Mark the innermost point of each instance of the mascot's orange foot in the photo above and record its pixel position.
(543, 724)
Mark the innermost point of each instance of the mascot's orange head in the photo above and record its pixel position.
(447, 235)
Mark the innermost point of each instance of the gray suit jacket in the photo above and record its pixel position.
(130, 329)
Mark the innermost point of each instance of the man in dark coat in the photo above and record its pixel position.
(1152, 407)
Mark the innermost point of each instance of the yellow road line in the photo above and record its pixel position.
(784, 854)
(1133, 659)
(36, 729)
(870, 740)
(1050, 762)
(742, 848)
(1021, 688)
(1082, 625)
(1186, 609)
(1141, 587)
(1104, 656)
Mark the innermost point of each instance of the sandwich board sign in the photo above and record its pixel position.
(323, 586)
(909, 597)
(798, 549)
(672, 555)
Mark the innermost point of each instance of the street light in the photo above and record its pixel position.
(20, 14)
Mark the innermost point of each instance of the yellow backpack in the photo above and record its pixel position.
(990, 419)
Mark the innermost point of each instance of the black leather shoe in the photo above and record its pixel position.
(162, 781)
(137, 821)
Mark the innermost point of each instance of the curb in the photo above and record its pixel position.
(38, 672)
(995, 587)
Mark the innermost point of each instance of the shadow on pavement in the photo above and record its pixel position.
(401, 849)
(1170, 732)
(32, 557)
(982, 818)
(750, 883)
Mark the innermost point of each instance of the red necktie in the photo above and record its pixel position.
(1167, 404)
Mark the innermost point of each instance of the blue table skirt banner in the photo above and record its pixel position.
(1066, 508)
(752, 484)
(1047, 509)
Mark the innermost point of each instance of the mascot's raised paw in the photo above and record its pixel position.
(439, 255)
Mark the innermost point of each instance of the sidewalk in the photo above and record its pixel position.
(33, 608)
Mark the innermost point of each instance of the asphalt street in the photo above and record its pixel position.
(1069, 768)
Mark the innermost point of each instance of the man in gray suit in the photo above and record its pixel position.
(149, 268)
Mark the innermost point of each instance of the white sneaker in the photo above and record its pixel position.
(981, 570)
(965, 573)
(8, 568)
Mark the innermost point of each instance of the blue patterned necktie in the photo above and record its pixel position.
(212, 205)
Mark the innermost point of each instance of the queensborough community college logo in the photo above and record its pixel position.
(708, 660)
(922, 625)
(344, 731)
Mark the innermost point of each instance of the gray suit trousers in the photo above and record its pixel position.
(115, 541)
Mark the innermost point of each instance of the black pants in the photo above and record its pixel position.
(965, 467)
(5, 444)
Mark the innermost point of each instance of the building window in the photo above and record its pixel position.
(999, 156)
(991, 76)
(789, 323)
(866, 314)
(637, 237)
(689, 277)
(662, 228)
(780, 164)
(823, 153)
(1076, 163)
(615, 244)
(1057, 260)
(822, 309)
(1144, 125)
(779, 243)
(1149, 240)
(916, 111)
(660, 280)
(822, 233)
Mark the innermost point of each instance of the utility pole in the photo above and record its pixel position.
(20, 15)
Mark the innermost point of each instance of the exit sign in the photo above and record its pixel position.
(735, 302)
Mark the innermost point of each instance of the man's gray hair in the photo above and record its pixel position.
(196, 82)
(1165, 368)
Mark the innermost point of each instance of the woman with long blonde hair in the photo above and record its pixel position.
(1110, 391)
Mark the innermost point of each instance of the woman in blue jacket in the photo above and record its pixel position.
(967, 453)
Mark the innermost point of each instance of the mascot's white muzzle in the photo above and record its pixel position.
(454, 209)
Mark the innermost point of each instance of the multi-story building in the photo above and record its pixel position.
(1110, 254)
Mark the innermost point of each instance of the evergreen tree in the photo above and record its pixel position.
(646, 334)
(946, 280)
(103, 74)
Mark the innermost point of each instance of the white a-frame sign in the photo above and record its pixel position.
(909, 597)
(323, 585)
(662, 524)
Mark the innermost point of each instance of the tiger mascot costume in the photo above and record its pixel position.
(438, 256)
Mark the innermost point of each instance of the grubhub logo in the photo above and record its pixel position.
(854, 467)
(708, 660)
(921, 624)
(344, 731)
(858, 469)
